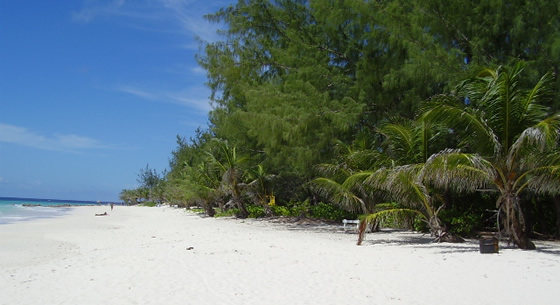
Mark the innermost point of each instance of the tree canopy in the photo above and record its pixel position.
(303, 87)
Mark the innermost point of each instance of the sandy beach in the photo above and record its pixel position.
(140, 255)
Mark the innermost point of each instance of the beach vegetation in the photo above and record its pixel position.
(149, 203)
(420, 114)
(509, 143)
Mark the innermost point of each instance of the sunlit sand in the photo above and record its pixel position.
(139, 255)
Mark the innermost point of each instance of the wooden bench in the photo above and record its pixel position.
(350, 221)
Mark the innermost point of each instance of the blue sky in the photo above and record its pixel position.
(92, 91)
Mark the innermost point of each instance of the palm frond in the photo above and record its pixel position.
(459, 171)
(337, 194)
(538, 138)
(401, 184)
(356, 180)
(542, 180)
(532, 110)
(398, 215)
(400, 139)
(334, 171)
(368, 159)
(469, 123)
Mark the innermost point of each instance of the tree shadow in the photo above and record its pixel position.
(415, 240)
(548, 250)
(408, 239)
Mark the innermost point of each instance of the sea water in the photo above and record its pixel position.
(21, 209)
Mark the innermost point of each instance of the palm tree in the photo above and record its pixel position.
(341, 183)
(231, 167)
(513, 145)
(408, 144)
(259, 187)
(201, 186)
(403, 185)
(395, 175)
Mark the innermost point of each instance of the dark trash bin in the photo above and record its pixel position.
(489, 245)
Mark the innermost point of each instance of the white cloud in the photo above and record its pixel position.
(59, 142)
(186, 16)
(95, 9)
(199, 104)
(192, 98)
(198, 70)
(137, 92)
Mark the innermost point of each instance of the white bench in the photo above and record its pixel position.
(349, 221)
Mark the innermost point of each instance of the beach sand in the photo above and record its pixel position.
(140, 255)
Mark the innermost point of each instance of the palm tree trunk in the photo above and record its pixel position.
(267, 210)
(441, 233)
(243, 213)
(557, 209)
(515, 223)
(208, 208)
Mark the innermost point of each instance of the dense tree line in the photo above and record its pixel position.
(423, 113)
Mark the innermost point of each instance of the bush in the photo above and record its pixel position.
(461, 223)
(255, 211)
(150, 203)
(329, 211)
(227, 213)
(420, 225)
(281, 210)
(299, 209)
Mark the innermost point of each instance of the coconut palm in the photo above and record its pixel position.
(202, 186)
(231, 167)
(259, 187)
(341, 183)
(512, 145)
(394, 176)
(408, 144)
(411, 198)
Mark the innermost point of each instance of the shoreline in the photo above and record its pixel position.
(142, 255)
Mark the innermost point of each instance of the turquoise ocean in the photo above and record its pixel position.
(22, 209)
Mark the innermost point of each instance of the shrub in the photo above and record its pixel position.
(255, 211)
(227, 213)
(281, 210)
(150, 203)
(420, 225)
(329, 211)
(461, 223)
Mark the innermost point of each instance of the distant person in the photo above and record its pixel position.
(111, 206)
(104, 214)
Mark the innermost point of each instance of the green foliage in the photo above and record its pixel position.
(394, 215)
(279, 210)
(420, 225)
(513, 143)
(256, 211)
(329, 211)
(149, 204)
(298, 83)
(462, 223)
(227, 213)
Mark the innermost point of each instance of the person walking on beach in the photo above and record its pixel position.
(111, 206)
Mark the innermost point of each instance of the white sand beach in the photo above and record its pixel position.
(140, 255)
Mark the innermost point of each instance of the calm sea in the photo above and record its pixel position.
(20, 209)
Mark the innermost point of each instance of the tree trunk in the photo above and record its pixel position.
(267, 210)
(362, 232)
(515, 223)
(441, 233)
(557, 209)
(243, 213)
(208, 208)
